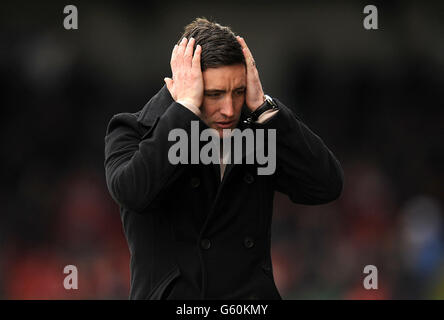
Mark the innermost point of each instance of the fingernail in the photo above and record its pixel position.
(183, 40)
(191, 38)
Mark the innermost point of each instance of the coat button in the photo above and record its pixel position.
(205, 244)
(248, 178)
(195, 182)
(248, 242)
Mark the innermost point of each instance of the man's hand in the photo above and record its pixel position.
(187, 82)
(254, 94)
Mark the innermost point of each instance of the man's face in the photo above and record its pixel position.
(224, 95)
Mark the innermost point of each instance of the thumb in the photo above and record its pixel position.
(169, 83)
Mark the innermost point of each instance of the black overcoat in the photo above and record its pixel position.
(191, 235)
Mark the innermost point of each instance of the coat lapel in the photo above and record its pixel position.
(160, 102)
(155, 107)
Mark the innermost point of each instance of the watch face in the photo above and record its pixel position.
(270, 101)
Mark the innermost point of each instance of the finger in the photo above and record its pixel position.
(173, 58)
(188, 52)
(247, 53)
(196, 58)
(251, 64)
(180, 51)
(243, 44)
(168, 81)
(169, 84)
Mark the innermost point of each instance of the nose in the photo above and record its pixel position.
(227, 107)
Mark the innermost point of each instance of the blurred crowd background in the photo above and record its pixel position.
(375, 97)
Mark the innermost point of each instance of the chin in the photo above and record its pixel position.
(225, 134)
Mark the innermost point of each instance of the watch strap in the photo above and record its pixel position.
(268, 104)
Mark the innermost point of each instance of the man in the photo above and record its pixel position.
(202, 231)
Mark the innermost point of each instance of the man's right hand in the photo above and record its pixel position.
(187, 82)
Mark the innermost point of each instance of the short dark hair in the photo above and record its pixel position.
(219, 44)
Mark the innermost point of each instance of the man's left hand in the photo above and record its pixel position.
(254, 97)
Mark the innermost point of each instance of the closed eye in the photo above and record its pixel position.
(212, 94)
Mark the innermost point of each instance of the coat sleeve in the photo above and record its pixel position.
(136, 160)
(306, 170)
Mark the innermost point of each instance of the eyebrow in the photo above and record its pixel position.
(222, 91)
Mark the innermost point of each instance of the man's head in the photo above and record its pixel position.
(224, 73)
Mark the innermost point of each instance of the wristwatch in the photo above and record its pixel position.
(268, 104)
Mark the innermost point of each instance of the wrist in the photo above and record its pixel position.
(190, 106)
(257, 104)
(267, 105)
(188, 102)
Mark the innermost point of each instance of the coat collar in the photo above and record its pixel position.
(155, 107)
(160, 102)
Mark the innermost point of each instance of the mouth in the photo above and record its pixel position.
(225, 124)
